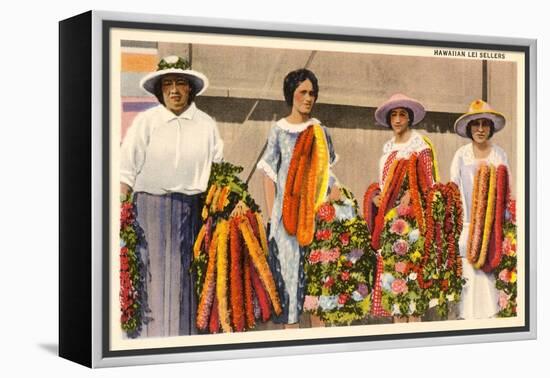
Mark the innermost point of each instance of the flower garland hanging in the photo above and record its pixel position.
(339, 265)
(222, 275)
(131, 293)
(369, 208)
(481, 187)
(440, 272)
(502, 198)
(230, 258)
(506, 272)
(418, 253)
(488, 219)
(491, 196)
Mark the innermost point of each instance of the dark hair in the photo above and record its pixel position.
(409, 112)
(160, 97)
(294, 79)
(469, 128)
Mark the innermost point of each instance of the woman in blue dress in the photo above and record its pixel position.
(286, 257)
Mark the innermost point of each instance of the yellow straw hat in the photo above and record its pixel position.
(479, 109)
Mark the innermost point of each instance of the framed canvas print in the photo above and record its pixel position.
(233, 189)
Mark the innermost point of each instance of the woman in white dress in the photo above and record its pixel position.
(479, 294)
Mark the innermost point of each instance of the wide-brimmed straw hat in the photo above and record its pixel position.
(399, 100)
(175, 65)
(479, 109)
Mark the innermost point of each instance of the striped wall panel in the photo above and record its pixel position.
(131, 107)
(138, 58)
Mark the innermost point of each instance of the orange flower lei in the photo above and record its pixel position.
(306, 216)
(489, 217)
(260, 264)
(306, 184)
(223, 198)
(215, 198)
(396, 187)
(473, 210)
(263, 236)
(480, 204)
(222, 275)
(236, 276)
(208, 289)
(199, 242)
(290, 201)
(388, 200)
(379, 220)
(303, 165)
(210, 195)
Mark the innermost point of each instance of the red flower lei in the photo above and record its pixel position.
(261, 294)
(502, 196)
(369, 209)
(126, 287)
(454, 207)
(431, 234)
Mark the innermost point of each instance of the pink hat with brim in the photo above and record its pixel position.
(399, 100)
(479, 109)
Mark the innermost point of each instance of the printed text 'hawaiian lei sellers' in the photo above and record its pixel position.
(470, 54)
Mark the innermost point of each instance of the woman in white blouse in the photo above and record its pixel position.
(166, 157)
(479, 295)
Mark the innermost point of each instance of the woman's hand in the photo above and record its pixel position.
(125, 190)
(269, 193)
(406, 199)
(240, 209)
(335, 194)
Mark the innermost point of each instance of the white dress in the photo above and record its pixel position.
(479, 294)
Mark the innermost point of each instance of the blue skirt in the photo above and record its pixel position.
(169, 225)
